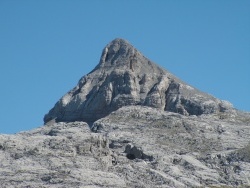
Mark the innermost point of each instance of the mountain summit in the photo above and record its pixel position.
(125, 77)
(148, 129)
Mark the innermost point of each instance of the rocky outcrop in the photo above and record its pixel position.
(182, 151)
(130, 123)
(125, 77)
(63, 155)
(134, 146)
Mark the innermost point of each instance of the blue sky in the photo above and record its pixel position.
(46, 46)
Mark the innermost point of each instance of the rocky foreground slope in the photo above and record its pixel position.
(130, 123)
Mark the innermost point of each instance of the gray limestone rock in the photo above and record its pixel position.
(184, 151)
(72, 156)
(130, 123)
(125, 77)
(136, 147)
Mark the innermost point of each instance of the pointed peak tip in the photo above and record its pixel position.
(118, 52)
(120, 40)
(118, 45)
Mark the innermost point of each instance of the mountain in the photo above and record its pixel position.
(125, 77)
(130, 123)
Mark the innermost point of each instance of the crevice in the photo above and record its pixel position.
(173, 89)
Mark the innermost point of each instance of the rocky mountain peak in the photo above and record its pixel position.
(125, 77)
(117, 52)
(120, 54)
(142, 133)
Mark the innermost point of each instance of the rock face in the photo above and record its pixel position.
(148, 129)
(125, 77)
(134, 146)
(64, 155)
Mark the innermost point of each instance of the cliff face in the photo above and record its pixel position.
(130, 123)
(125, 77)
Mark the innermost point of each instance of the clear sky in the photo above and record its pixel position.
(46, 46)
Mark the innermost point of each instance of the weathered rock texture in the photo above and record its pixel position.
(125, 77)
(134, 146)
(148, 129)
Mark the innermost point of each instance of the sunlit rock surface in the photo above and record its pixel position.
(130, 123)
(125, 77)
